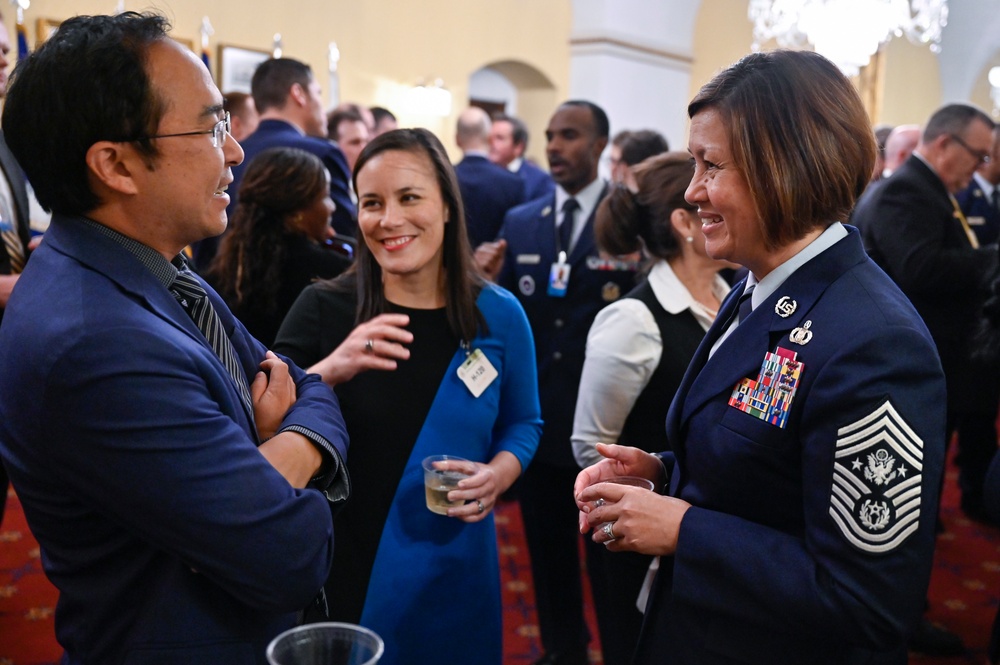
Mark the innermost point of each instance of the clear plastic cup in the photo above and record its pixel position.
(442, 474)
(326, 644)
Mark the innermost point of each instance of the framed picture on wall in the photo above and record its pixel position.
(45, 28)
(184, 41)
(237, 65)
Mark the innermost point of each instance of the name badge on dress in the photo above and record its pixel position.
(477, 372)
(769, 396)
(559, 277)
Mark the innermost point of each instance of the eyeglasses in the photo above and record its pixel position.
(218, 132)
(981, 157)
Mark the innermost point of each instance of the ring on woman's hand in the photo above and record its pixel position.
(481, 506)
(609, 530)
(600, 502)
(370, 346)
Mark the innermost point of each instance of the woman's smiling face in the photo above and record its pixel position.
(725, 205)
(402, 214)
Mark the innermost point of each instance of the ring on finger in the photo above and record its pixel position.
(609, 530)
(600, 502)
(370, 346)
(481, 506)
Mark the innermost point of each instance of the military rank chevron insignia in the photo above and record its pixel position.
(877, 475)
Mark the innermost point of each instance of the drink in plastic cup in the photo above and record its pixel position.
(326, 644)
(441, 475)
(631, 481)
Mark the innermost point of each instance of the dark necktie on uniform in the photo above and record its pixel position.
(996, 199)
(11, 239)
(566, 226)
(743, 308)
(193, 298)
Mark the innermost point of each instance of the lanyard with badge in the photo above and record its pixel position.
(476, 372)
(559, 272)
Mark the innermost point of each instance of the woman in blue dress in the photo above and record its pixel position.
(414, 307)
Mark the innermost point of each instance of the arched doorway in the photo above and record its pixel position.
(516, 88)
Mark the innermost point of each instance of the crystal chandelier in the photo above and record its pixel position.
(848, 32)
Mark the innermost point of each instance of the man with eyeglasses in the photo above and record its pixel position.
(914, 229)
(176, 474)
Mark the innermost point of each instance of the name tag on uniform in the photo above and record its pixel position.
(477, 372)
(976, 221)
(529, 259)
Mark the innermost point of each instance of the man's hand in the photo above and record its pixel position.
(273, 393)
(489, 258)
(294, 456)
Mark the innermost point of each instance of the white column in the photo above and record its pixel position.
(633, 59)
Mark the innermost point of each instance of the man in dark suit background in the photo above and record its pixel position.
(488, 191)
(980, 201)
(290, 106)
(14, 222)
(508, 143)
(168, 492)
(552, 266)
(914, 229)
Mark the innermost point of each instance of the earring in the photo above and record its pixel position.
(690, 238)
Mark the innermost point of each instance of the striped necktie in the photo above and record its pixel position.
(11, 239)
(193, 298)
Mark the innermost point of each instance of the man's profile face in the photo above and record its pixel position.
(352, 137)
(573, 147)
(4, 50)
(182, 197)
(961, 155)
(316, 123)
(502, 148)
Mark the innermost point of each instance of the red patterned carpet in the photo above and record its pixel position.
(964, 594)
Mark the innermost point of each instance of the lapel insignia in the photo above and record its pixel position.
(610, 292)
(526, 285)
(785, 307)
(801, 335)
(875, 500)
(546, 211)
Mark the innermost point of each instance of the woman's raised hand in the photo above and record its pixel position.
(375, 344)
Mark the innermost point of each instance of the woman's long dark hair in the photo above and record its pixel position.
(463, 281)
(248, 267)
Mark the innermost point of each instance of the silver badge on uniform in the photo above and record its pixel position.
(526, 284)
(785, 307)
(877, 475)
(801, 335)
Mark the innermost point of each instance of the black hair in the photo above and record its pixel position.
(87, 83)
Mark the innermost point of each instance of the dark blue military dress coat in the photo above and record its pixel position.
(808, 543)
